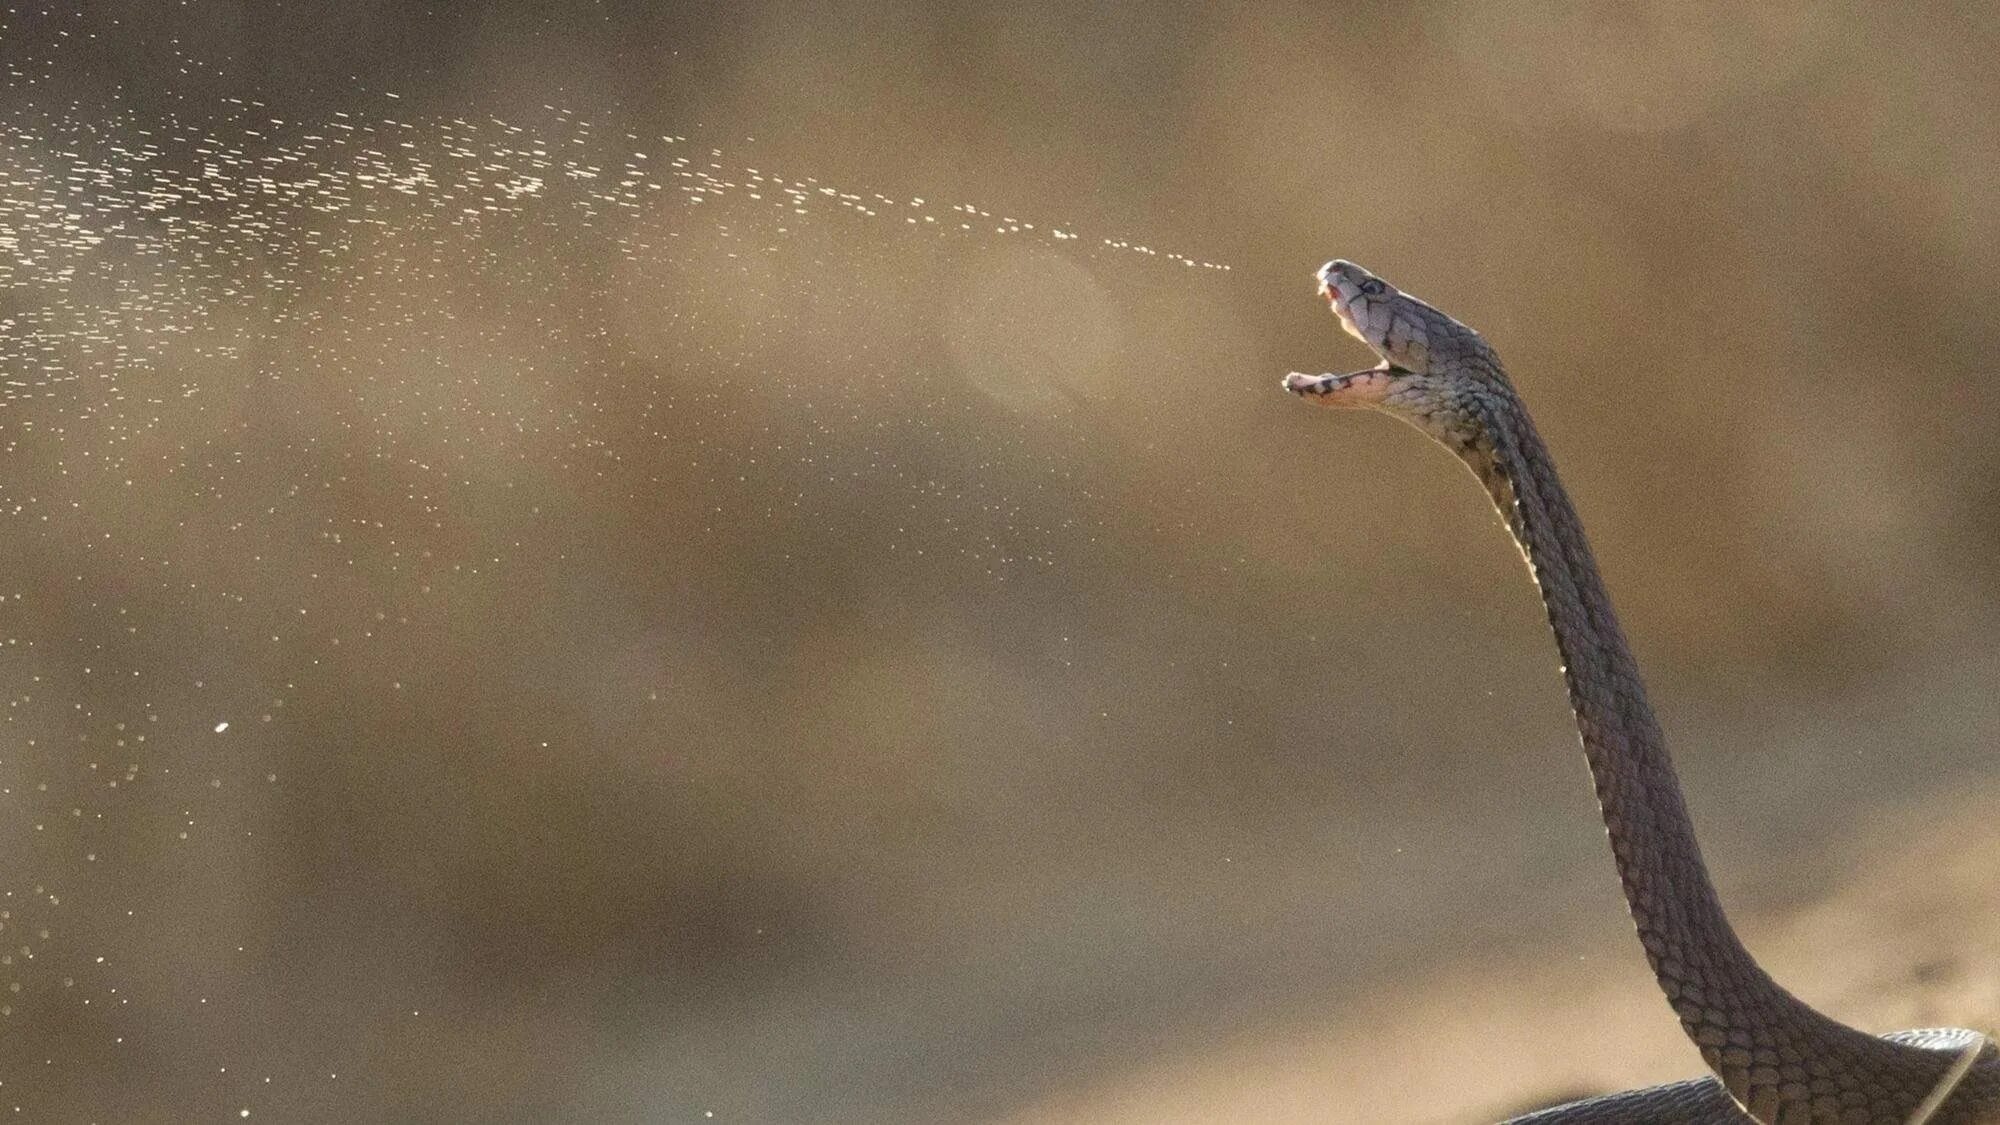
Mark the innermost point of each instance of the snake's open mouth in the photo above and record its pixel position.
(1331, 292)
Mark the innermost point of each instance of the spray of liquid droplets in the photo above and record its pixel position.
(331, 416)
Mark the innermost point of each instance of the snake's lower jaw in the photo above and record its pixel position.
(1333, 391)
(1352, 391)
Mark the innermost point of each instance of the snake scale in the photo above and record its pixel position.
(1773, 1059)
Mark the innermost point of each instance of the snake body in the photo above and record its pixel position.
(1773, 1058)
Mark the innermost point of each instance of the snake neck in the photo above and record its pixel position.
(1672, 900)
(1746, 1027)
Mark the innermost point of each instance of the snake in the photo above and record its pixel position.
(1771, 1057)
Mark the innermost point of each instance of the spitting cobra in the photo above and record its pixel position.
(1773, 1058)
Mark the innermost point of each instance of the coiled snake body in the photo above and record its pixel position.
(1774, 1059)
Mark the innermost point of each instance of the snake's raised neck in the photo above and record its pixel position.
(1779, 1059)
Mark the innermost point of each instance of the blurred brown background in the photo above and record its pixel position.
(685, 654)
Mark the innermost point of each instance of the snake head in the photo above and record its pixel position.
(1361, 300)
(1402, 330)
(1342, 282)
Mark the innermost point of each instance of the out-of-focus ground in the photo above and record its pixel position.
(1909, 937)
(537, 584)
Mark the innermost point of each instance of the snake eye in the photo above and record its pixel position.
(1372, 287)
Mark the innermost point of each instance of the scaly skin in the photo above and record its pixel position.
(1775, 1059)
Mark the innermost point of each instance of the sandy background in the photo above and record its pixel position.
(537, 584)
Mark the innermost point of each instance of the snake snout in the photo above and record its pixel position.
(1325, 277)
